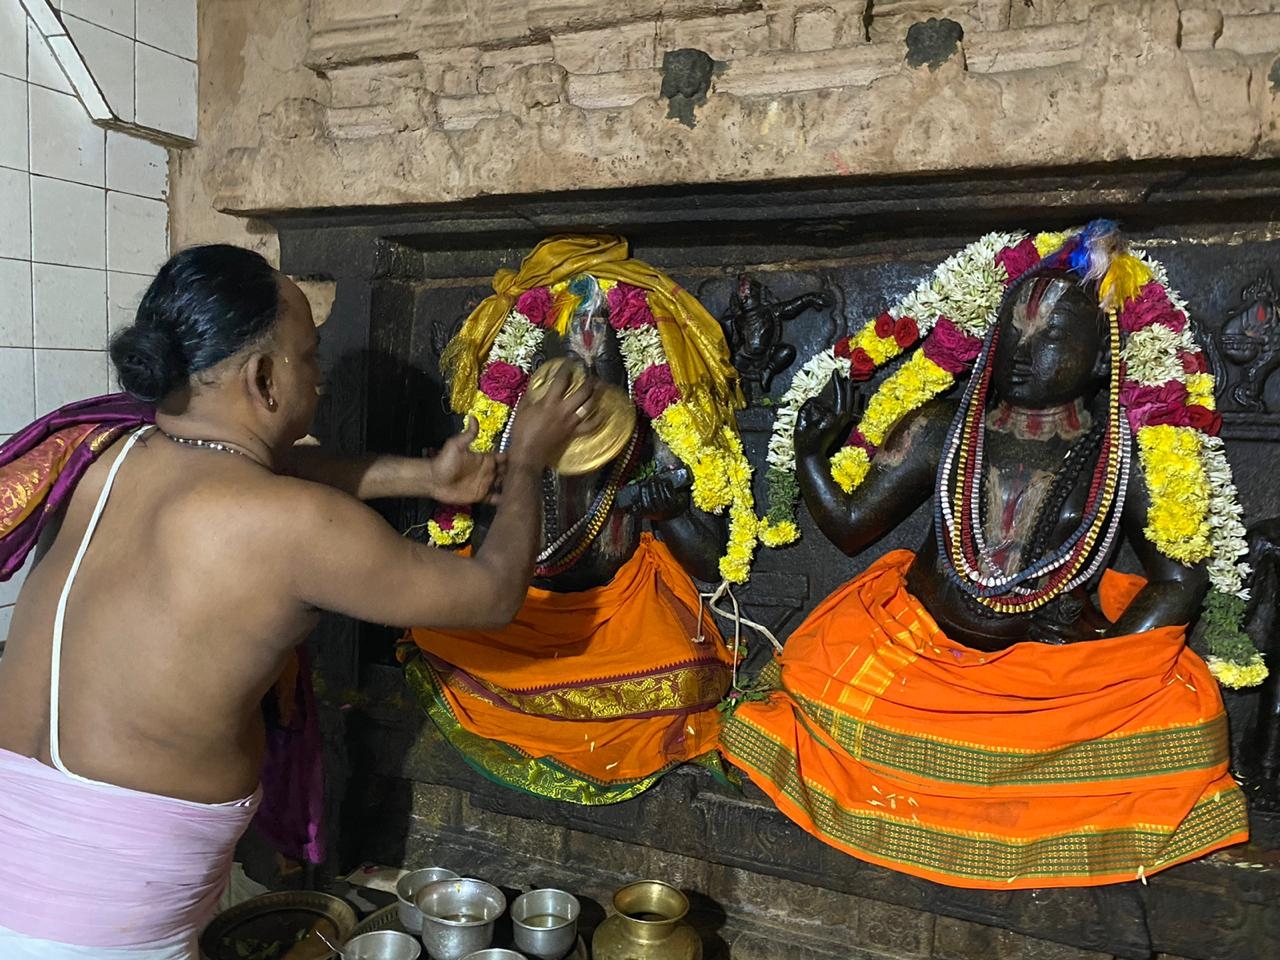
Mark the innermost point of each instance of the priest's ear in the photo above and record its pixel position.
(260, 381)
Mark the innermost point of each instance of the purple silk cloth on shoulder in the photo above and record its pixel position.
(113, 415)
(290, 817)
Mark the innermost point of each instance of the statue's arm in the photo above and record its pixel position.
(697, 540)
(1174, 591)
(790, 309)
(901, 478)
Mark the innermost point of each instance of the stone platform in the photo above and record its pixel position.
(760, 886)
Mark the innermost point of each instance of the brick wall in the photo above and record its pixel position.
(321, 103)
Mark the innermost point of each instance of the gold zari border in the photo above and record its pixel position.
(675, 690)
(897, 838)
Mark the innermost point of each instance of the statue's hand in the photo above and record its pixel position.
(822, 422)
(1068, 619)
(658, 498)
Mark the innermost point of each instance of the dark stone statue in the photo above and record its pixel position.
(1047, 409)
(1259, 763)
(658, 494)
(753, 329)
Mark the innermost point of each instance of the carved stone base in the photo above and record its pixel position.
(761, 886)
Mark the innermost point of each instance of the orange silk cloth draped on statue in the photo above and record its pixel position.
(1034, 766)
(586, 696)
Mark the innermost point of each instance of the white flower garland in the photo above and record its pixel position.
(517, 342)
(641, 349)
(966, 288)
(809, 381)
(1150, 355)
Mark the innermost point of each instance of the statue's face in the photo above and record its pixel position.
(1051, 344)
(590, 340)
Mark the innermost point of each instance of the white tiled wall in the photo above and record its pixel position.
(141, 55)
(83, 212)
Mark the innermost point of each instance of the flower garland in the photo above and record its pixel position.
(1195, 513)
(1166, 393)
(721, 472)
(450, 526)
(952, 308)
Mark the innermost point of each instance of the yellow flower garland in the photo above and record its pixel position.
(456, 535)
(492, 416)
(721, 478)
(778, 534)
(880, 349)
(1235, 675)
(909, 387)
(1178, 520)
(1200, 390)
(849, 468)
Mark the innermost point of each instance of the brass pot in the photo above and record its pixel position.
(648, 924)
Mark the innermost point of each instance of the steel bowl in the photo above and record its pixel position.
(382, 945)
(458, 916)
(407, 888)
(545, 923)
(495, 953)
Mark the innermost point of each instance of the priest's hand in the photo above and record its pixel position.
(460, 475)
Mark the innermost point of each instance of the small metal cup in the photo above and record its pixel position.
(495, 953)
(458, 916)
(407, 888)
(546, 923)
(382, 945)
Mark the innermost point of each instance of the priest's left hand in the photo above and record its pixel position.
(460, 475)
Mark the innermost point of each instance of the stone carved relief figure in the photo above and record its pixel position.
(611, 673)
(1260, 763)
(1249, 343)
(999, 709)
(753, 326)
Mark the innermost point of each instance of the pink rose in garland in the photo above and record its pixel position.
(629, 308)
(951, 348)
(1204, 419)
(1018, 259)
(1151, 305)
(1165, 405)
(1193, 362)
(446, 513)
(503, 382)
(655, 390)
(536, 305)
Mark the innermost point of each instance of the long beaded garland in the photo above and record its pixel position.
(959, 495)
(589, 525)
